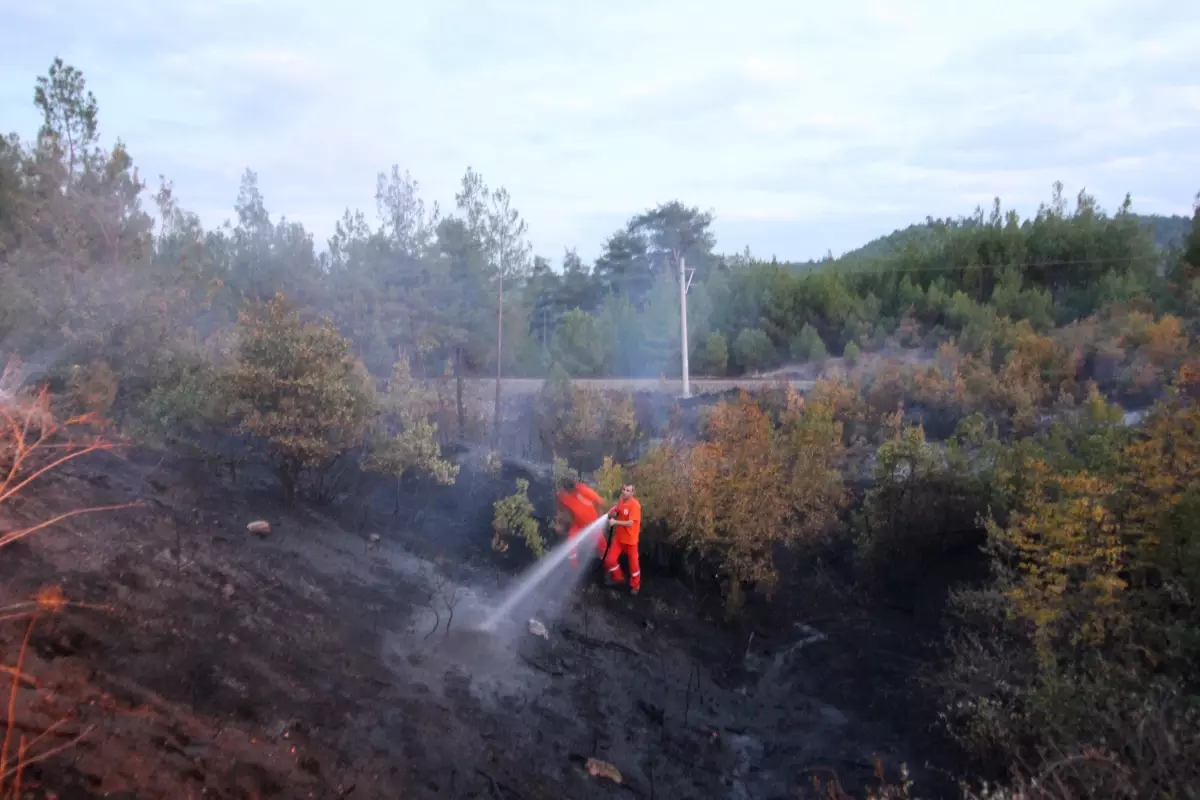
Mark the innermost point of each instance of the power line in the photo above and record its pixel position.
(1095, 262)
(832, 268)
(804, 268)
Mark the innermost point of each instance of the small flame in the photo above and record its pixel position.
(51, 599)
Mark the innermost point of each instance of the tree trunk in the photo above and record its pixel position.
(288, 481)
(458, 392)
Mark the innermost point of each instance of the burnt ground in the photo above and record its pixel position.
(308, 663)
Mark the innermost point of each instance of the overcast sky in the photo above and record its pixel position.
(805, 126)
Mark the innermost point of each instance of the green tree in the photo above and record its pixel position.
(69, 115)
(297, 390)
(657, 348)
(191, 408)
(583, 425)
(579, 344)
(650, 247)
(505, 237)
(403, 438)
(714, 358)
(674, 231)
(1185, 276)
(752, 350)
(267, 257)
(808, 345)
(388, 288)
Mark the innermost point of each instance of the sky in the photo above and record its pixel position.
(804, 127)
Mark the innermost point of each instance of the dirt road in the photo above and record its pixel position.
(484, 388)
(800, 377)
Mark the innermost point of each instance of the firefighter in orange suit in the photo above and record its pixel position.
(585, 507)
(625, 518)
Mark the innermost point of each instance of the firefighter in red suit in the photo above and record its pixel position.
(584, 506)
(625, 518)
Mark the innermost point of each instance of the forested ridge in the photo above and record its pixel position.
(973, 378)
(436, 270)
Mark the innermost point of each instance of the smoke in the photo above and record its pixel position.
(19, 373)
(467, 631)
(56, 312)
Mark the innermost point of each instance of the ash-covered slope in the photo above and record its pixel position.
(309, 663)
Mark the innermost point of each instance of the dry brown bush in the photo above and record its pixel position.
(32, 444)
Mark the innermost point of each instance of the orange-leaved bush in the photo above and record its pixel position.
(747, 486)
(1081, 654)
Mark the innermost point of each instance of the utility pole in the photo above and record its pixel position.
(684, 282)
(499, 350)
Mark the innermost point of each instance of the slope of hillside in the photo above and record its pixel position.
(1168, 231)
(318, 663)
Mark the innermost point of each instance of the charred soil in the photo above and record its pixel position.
(329, 659)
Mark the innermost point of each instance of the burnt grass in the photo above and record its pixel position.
(303, 664)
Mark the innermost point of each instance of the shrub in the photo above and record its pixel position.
(93, 389)
(747, 487)
(585, 425)
(561, 472)
(852, 353)
(1081, 653)
(297, 390)
(403, 438)
(191, 407)
(752, 350)
(609, 480)
(714, 356)
(33, 442)
(512, 518)
(807, 345)
(845, 399)
(925, 503)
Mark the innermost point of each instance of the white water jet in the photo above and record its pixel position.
(551, 577)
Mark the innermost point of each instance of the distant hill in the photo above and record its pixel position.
(1168, 232)
(893, 242)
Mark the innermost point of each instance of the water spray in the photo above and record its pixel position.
(537, 583)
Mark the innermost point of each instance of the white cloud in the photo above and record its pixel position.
(767, 111)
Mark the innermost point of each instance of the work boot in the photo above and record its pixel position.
(634, 592)
(608, 580)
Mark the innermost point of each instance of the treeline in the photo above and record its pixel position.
(425, 283)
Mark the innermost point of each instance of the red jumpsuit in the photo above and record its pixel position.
(625, 540)
(581, 503)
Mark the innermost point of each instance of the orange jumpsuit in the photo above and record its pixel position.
(625, 540)
(581, 503)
